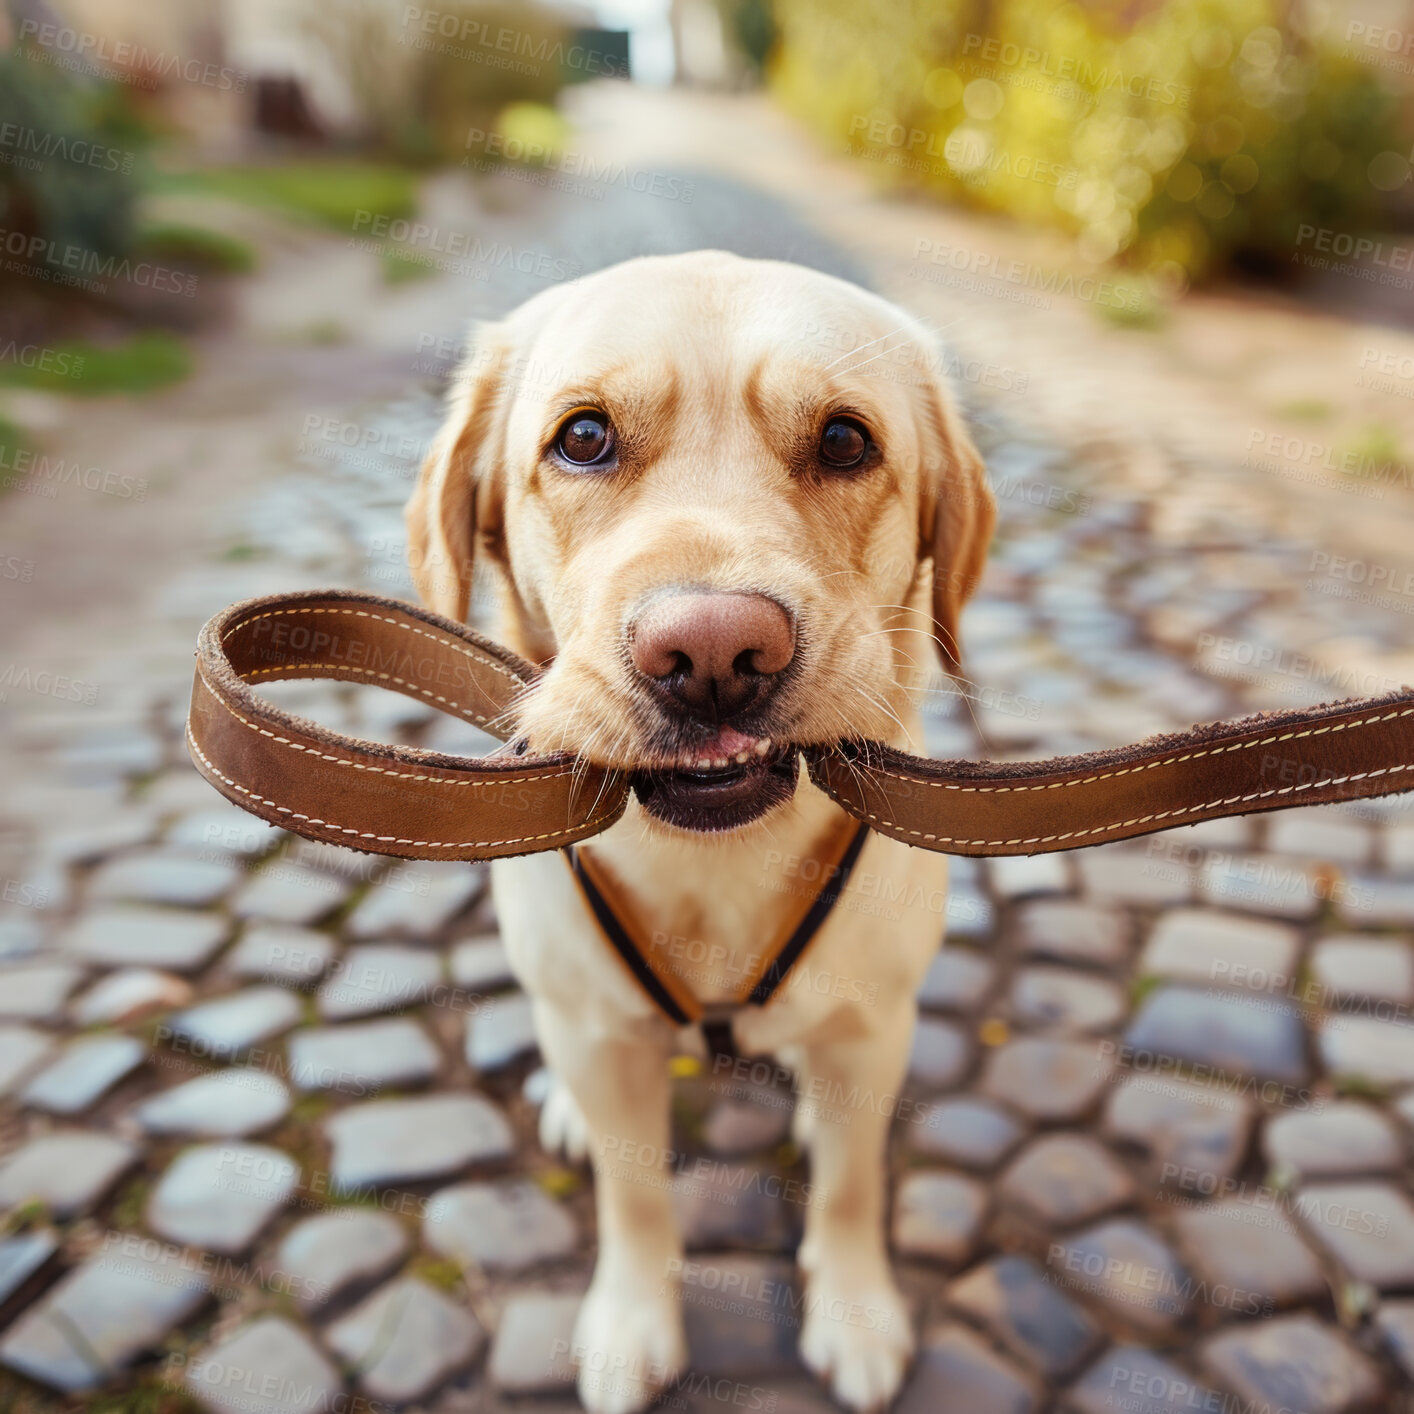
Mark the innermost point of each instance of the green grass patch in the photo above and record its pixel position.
(146, 361)
(196, 245)
(400, 268)
(329, 193)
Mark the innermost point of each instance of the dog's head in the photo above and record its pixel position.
(709, 487)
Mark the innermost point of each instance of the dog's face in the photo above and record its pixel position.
(708, 485)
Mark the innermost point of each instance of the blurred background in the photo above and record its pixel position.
(1168, 250)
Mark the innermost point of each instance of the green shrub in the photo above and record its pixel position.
(1180, 137)
(69, 158)
(186, 245)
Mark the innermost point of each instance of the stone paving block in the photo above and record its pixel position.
(1045, 1079)
(1127, 874)
(1020, 875)
(958, 1373)
(1352, 966)
(68, 1171)
(416, 899)
(1066, 1000)
(1248, 1256)
(372, 977)
(163, 876)
(223, 828)
(1215, 948)
(1066, 1178)
(531, 1351)
(1373, 901)
(1181, 1124)
(736, 1127)
(269, 1366)
(1367, 1227)
(1233, 1034)
(22, 1050)
(223, 1104)
(1269, 884)
(501, 1227)
(940, 1053)
(1021, 1306)
(21, 1258)
(1293, 1362)
(86, 843)
(957, 980)
(1073, 931)
(276, 952)
(1320, 834)
(966, 1130)
(938, 1216)
(722, 1205)
(499, 1031)
(361, 1057)
(480, 965)
(331, 1252)
(1128, 1269)
(405, 1340)
(37, 991)
(408, 1141)
(754, 1335)
(129, 935)
(1367, 1048)
(227, 1026)
(128, 995)
(85, 1070)
(20, 937)
(1127, 1379)
(101, 1316)
(968, 912)
(221, 1196)
(1395, 1320)
(290, 894)
(1347, 1137)
(1397, 848)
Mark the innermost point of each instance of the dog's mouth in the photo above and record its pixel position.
(709, 793)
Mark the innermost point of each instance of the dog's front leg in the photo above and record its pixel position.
(628, 1341)
(856, 1334)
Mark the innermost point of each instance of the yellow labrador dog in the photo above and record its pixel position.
(728, 504)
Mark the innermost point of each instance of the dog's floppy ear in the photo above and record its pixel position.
(959, 515)
(441, 514)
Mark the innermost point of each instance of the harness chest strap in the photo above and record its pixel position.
(650, 968)
(418, 804)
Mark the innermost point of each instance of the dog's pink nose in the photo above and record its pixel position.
(715, 652)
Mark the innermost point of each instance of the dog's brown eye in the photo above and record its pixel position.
(843, 443)
(586, 439)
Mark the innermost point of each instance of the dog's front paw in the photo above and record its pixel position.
(858, 1340)
(562, 1126)
(629, 1347)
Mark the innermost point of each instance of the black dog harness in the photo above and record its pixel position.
(666, 990)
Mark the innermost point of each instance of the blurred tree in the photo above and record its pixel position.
(1181, 136)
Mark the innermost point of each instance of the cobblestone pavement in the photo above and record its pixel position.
(269, 1120)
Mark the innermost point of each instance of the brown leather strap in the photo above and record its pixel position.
(1340, 751)
(401, 801)
(383, 799)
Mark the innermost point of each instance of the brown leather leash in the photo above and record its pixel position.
(417, 804)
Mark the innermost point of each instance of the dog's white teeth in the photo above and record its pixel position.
(704, 763)
(720, 762)
(762, 746)
(742, 757)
